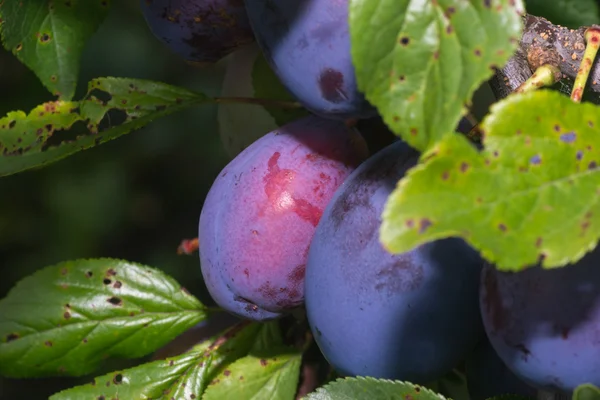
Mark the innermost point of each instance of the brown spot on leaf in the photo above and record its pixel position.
(424, 224)
(67, 315)
(118, 379)
(263, 362)
(115, 301)
(117, 285)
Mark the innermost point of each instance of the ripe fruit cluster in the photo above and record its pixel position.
(293, 221)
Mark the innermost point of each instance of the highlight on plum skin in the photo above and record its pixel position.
(199, 31)
(261, 213)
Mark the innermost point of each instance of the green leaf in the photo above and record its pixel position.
(266, 376)
(49, 37)
(270, 371)
(569, 13)
(420, 62)
(112, 107)
(535, 185)
(586, 392)
(267, 86)
(372, 389)
(181, 377)
(67, 318)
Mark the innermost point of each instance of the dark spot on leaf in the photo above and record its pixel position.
(111, 272)
(417, 388)
(449, 29)
(12, 336)
(590, 124)
(592, 165)
(536, 160)
(184, 290)
(404, 41)
(541, 257)
(115, 301)
(161, 107)
(107, 281)
(579, 155)
(101, 398)
(556, 127)
(48, 343)
(12, 124)
(263, 362)
(64, 271)
(445, 175)
(67, 315)
(401, 78)
(538, 242)
(84, 340)
(424, 224)
(410, 223)
(117, 285)
(44, 38)
(414, 131)
(568, 137)
(477, 52)
(464, 167)
(118, 379)
(502, 227)
(89, 274)
(227, 372)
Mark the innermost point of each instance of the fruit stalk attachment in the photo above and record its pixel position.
(592, 38)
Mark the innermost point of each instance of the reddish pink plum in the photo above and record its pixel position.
(261, 213)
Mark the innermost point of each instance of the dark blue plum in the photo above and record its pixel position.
(545, 324)
(262, 210)
(412, 316)
(200, 31)
(488, 376)
(307, 44)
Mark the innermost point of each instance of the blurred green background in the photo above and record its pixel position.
(134, 198)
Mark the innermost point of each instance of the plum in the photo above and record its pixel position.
(545, 324)
(200, 31)
(262, 210)
(488, 376)
(411, 316)
(307, 44)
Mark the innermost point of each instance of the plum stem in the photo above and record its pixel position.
(188, 246)
(264, 102)
(545, 75)
(592, 37)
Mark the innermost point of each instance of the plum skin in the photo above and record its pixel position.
(200, 31)
(488, 376)
(545, 324)
(307, 44)
(411, 316)
(261, 212)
